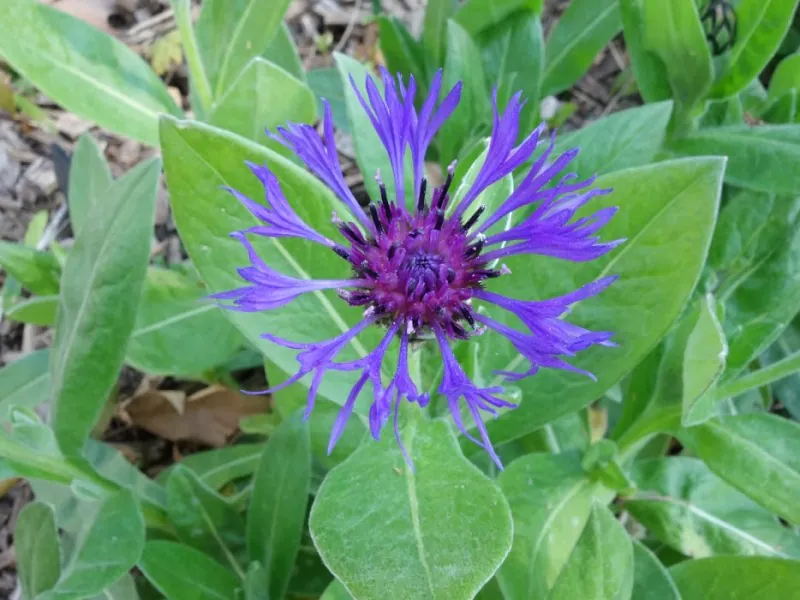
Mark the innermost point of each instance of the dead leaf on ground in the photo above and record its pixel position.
(210, 416)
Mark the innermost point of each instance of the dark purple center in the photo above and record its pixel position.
(420, 267)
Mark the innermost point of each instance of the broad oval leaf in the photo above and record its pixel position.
(218, 467)
(651, 580)
(107, 549)
(176, 331)
(757, 156)
(477, 15)
(25, 382)
(550, 500)
(464, 63)
(204, 520)
(763, 305)
(123, 589)
(278, 503)
(231, 33)
(37, 549)
(580, 33)
(199, 160)
(625, 139)
(667, 213)
(688, 508)
(648, 68)
(672, 33)
(38, 271)
(601, 565)
(761, 25)
(759, 454)
(263, 97)
(737, 578)
(85, 70)
(513, 58)
(183, 573)
(440, 531)
(39, 310)
(102, 286)
(89, 180)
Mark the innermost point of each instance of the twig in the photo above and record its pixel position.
(351, 25)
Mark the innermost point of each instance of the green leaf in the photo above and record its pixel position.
(667, 213)
(199, 160)
(39, 310)
(751, 225)
(651, 580)
(108, 548)
(764, 304)
(173, 327)
(513, 57)
(177, 332)
(37, 549)
(673, 33)
(218, 467)
(759, 454)
(601, 565)
(688, 508)
(550, 500)
(89, 180)
(182, 573)
(434, 31)
(114, 466)
(786, 390)
(262, 98)
(86, 71)
(403, 54)
(756, 155)
(103, 279)
(669, 387)
(256, 583)
(477, 15)
(123, 589)
(283, 52)
(761, 25)
(278, 504)
(327, 83)
(782, 110)
(449, 526)
(736, 578)
(25, 382)
(785, 78)
(336, 591)
(464, 63)
(625, 139)
(231, 33)
(203, 519)
(38, 271)
(584, 29)
(649, 70)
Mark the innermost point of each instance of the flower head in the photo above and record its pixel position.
(420, 262)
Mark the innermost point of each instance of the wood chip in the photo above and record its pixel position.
(71, 125)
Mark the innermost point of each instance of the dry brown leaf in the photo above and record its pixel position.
(210, 416)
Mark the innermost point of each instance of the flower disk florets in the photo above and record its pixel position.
(421, 266)
(422, 263)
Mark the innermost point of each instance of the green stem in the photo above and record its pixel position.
(774, 372)
(183, 19)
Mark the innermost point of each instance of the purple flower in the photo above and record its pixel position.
(420, 267)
